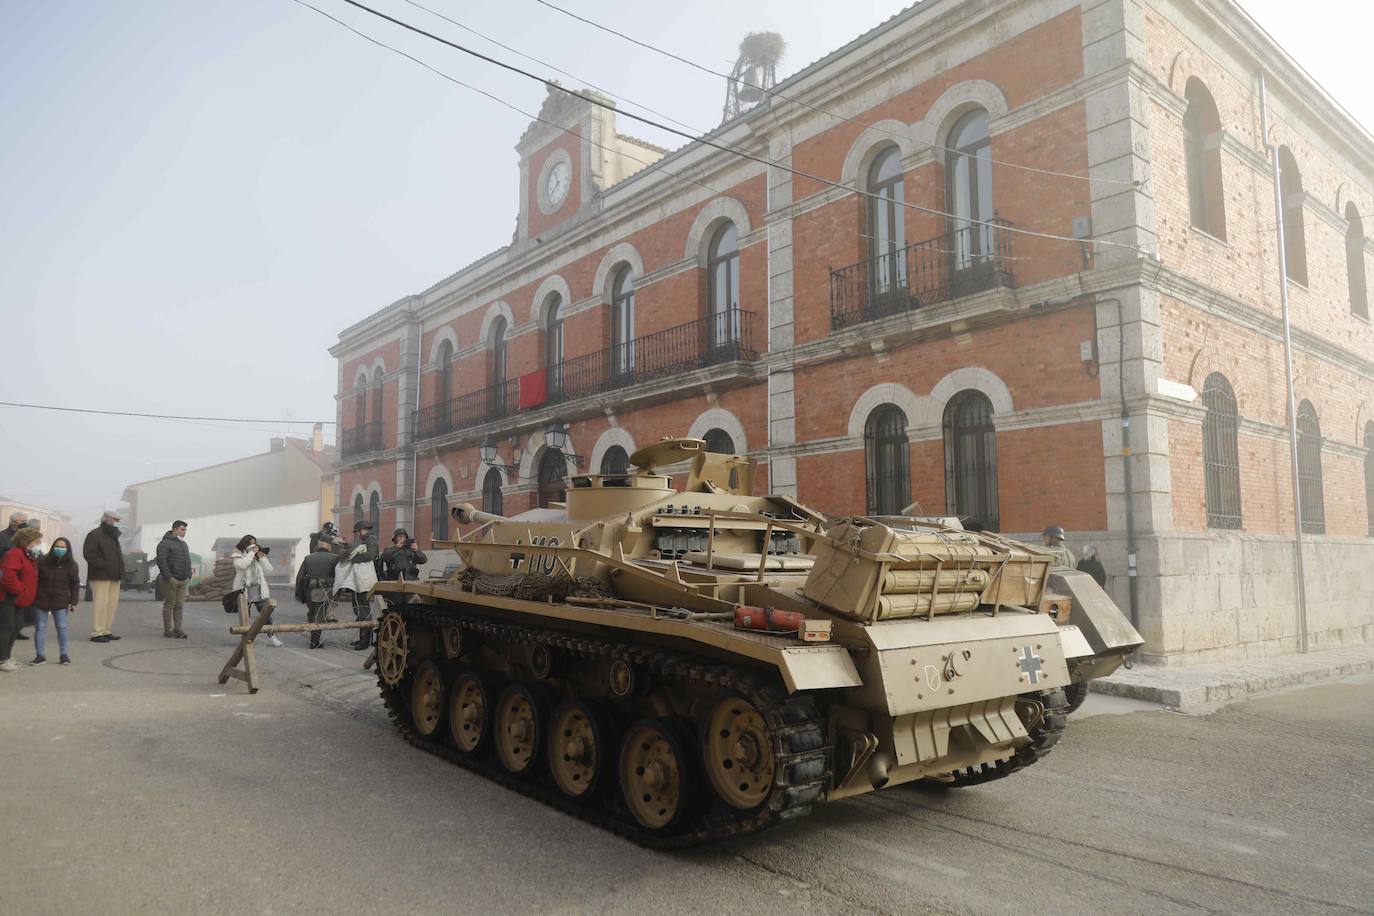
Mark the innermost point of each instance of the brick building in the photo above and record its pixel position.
(942, 339)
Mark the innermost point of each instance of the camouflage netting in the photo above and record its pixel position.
(532, 586)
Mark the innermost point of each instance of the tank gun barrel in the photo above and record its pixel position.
(468, 514)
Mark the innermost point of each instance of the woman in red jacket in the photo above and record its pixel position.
(59, 589)
(18, 588)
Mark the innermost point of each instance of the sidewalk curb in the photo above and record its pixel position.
(1204, 685)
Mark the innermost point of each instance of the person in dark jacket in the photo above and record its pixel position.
(7, 536)
(1091, 565)
(402, 560)
(315, 583)
(357, 582)
(174, 572)
(59, 591)
(18, 588)
(104, 570)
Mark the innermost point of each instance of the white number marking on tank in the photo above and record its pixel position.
(1030, 663)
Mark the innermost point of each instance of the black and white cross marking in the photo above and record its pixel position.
(1030, 664)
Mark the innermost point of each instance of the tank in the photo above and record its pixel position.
(686, 666)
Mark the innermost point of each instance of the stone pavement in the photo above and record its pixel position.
(1224, 682)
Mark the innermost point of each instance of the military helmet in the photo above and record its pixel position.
(364, 525)
(1053, 531)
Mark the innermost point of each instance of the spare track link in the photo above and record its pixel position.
(1044, 736)
(799, 737)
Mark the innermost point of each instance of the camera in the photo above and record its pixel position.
(410, 543)
(264, 550)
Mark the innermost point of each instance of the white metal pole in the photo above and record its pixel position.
(1288, 363)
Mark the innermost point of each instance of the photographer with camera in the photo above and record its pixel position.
(251, 567)
(402, 560)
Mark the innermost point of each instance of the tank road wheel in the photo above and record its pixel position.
(469, 713)
(393, 648)
(579, 747)
(427, 708)
(738, 751)
(455, 640)
(654, 775)
(520, 722)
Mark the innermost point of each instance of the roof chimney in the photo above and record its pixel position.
(317, 438)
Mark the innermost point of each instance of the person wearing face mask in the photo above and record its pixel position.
(174, 572)
(251, 567)
(104, 571)
(18, 588)
(59, 590)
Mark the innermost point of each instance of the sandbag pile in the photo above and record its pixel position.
(216, 585)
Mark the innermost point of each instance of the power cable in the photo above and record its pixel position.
(1000, 227)
(161, 416)
(500, 101)
(816, 108)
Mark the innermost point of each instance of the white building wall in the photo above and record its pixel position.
(299, 520)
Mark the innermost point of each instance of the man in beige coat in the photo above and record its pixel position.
(104, 572)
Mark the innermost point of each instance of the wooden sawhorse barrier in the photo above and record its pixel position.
(249, 629)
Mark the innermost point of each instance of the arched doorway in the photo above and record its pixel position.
(553, 467)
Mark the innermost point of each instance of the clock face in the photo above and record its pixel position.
(556, 185)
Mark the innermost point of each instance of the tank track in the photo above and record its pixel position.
(803, 757)
(1044, 736)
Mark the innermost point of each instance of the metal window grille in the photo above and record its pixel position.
(492, 498)
(1310, 470)
(971, 459)
(887, 454)
(374, 512)
(357, 509)
(615, 461)
(1369, 475)
(438, 512)
(1220, 453)
(719, 442)
(1354, 262)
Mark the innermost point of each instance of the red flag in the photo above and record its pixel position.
(534, 388)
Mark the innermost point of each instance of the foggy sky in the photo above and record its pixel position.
(196, 197)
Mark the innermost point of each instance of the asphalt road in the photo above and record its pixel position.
(138, 784)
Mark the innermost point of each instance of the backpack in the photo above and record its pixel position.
(231, 602)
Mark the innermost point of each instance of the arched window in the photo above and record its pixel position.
(438, 512)
(1354, 261)
(357, 508)
(1294, 235)
(971, 459)
(360, 413)
(615, 461)
(553, 342)
(623, 321)
(1369, 475)
(492, 500)
(886, 223)
(374, 437)
(496, 365)
(553, 468)
(374, 513)
(722, 272)
(1310, 496)
(887, 454)
(968, 176)
(443, 378)
(1220, 454)
(719, 442)
(1202, 150)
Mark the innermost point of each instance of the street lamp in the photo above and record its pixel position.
(487, 451)
(556, 438)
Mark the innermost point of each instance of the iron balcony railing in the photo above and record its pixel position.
(959, 263)
(360, 440)
(725, 337)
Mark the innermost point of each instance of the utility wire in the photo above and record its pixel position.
(161, 416)
(573, 133)
(816, 108)
(586, 82)
(1000, 227)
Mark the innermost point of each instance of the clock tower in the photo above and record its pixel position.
(569, 157)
